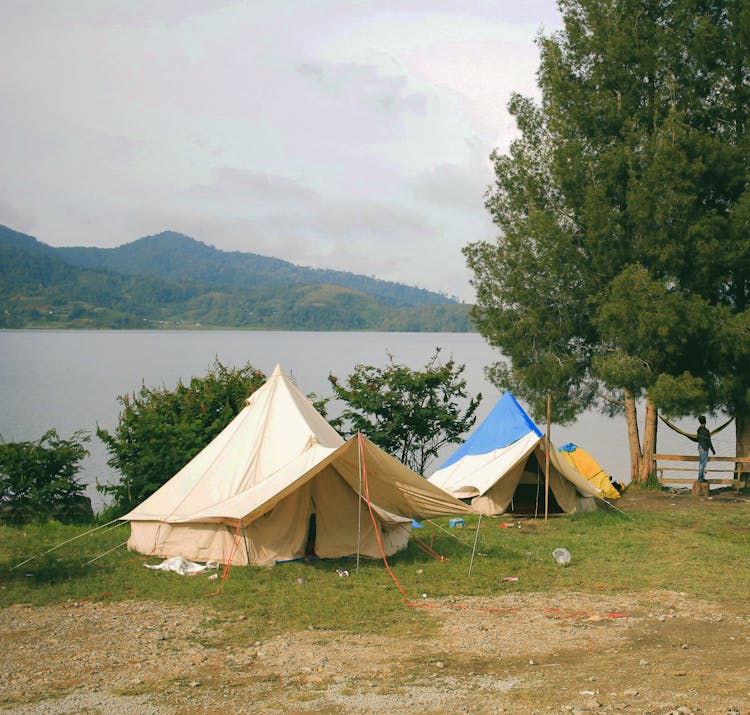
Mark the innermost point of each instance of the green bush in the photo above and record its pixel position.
(38, 480)
(411, 414)
(161, 430)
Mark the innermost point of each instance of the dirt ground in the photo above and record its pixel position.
(644, 652)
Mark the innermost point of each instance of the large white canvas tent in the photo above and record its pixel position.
(249, 496)
(502, 468)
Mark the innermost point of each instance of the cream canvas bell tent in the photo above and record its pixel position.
(501, 468)
(279, 482)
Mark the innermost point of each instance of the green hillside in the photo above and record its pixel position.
(176, 257)
(172, 281)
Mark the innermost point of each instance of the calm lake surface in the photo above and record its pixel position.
(70, 380)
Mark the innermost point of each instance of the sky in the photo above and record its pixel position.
(345, 134)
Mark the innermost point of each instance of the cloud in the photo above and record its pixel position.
(334, 134)
(453, 185)
(254, 188)
(367, 88)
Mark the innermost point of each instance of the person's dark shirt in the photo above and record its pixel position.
(704, 439)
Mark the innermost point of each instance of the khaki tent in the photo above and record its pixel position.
(278, 481)
(501, 468)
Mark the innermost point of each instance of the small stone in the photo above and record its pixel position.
(643, 662)
(631, 692)
(194, 683)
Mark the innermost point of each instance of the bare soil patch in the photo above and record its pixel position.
(635, 652)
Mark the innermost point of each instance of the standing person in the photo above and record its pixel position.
(704, 444)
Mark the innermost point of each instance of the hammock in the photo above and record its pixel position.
(690, 435)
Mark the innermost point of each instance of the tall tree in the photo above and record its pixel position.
(622, 212)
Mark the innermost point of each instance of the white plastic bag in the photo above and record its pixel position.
(562, 556)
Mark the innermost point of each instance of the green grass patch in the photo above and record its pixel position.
(697, 550)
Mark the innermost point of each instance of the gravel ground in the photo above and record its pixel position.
(656, 652)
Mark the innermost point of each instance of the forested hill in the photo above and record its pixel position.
(177, 257)
(172, 280)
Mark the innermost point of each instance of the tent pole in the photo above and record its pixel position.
(359, 496)
(474, 550)
(247, 549)
(546, 466)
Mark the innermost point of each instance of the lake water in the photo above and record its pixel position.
(70, 380)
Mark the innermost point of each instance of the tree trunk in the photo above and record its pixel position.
(634, 440)
(742, 441)
(742, 435)
(649, 442)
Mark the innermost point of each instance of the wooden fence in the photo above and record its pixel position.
(683, 469)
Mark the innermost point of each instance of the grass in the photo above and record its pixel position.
(696, 549)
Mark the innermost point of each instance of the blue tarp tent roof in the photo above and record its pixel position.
(504, 425)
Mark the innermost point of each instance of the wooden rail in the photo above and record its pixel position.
(740, 471)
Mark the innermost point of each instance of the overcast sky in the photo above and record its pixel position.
(340, 134)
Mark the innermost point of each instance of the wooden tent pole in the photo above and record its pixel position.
(546, 466)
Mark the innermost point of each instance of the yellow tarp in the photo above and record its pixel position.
(591, 469)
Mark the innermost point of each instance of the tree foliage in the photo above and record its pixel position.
(411, 414)
(623, 254)
(38, 480)
(159, 430)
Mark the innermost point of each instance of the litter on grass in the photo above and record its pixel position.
(180, 565)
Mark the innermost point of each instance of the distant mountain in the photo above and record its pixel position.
(177, 257)
(171, 280)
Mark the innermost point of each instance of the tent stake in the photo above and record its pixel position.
(474, 550)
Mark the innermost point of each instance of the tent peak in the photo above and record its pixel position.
(277, 371)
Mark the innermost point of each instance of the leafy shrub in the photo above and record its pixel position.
(38, 480)
(411, 414)
(161, 430)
